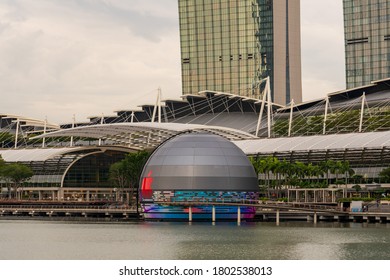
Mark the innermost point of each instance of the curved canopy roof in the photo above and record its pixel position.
(351, 141)
(45, 154)
(144, 135)
(19, 155)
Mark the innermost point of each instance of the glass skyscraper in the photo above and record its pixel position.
(367, 41)
(230, 45)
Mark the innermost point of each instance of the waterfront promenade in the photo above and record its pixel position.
(265, 211)
(70, 210)
(277, 211)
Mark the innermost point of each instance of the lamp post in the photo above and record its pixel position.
(116, 194)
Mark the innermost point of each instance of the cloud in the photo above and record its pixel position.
(92, 56)
(323, 69)
(106, 14)
(85, 57)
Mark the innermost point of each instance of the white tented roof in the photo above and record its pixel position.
(144, 135)
(18, 155)
(318, 142)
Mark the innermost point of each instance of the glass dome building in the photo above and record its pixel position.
(198, 168)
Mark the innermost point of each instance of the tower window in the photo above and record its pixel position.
(357, 41)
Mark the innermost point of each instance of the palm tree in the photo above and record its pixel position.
(256, 165)
(310, 171)
(327, 167)
(300, 169)
(318, 172)
(284, 170)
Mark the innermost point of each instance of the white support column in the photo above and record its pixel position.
(60, 194)
(277, 217)
(155, 108)
(73, 124)
(239, 215)
(261, 112)
(190, 214)
(17, 133)
(44, 132)
(325, 115)
(315, 218)
(101, 122)
(362, 112)
(132, 117)
(291, 117)
(159, 105)
(269, 107)
(213, 214)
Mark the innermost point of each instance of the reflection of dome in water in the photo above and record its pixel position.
(196, 167)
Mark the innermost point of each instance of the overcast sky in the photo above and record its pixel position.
(88, 57)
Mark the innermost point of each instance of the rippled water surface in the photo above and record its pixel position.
(157, 240)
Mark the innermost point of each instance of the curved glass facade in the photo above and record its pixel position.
(92, 171)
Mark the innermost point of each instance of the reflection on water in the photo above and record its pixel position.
(149, 240)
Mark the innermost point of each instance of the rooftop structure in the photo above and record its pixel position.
(360, 109)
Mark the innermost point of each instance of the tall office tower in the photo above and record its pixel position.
(231, 45)
(367, 41)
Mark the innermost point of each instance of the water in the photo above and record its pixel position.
(31, 239)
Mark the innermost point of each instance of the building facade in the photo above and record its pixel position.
(231, 45)
(367, 41)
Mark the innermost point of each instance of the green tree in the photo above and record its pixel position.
(15, 174)
(384, 175)
(127, 172)
(357, 178)
(118, 174)
(348, 172)
(265, 166)
(256, 165)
